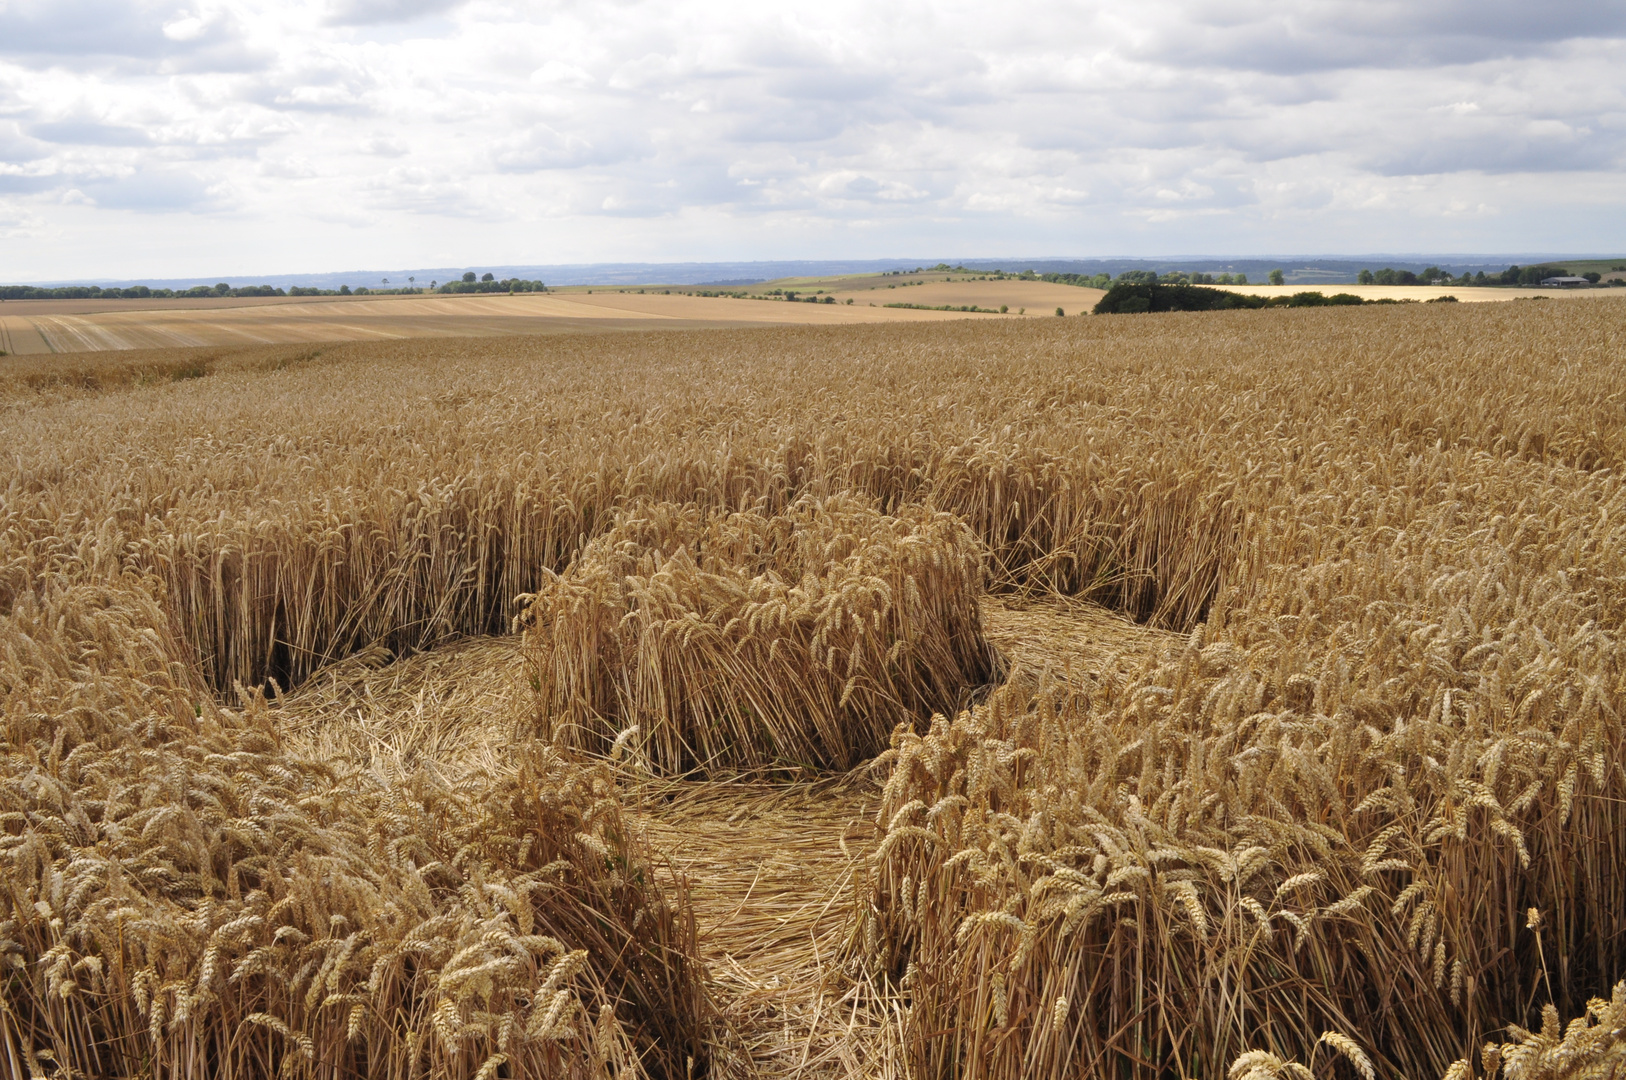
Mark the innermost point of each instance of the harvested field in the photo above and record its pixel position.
(75, 326)
(43, 327)
(1039, 298)
(335, 683)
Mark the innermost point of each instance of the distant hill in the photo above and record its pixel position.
(1298, 270)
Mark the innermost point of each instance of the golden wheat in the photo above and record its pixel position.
(183, 896)
(1330, 809)
(1390, 542)
(756, 641)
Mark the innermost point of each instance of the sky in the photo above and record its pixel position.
(165, 138)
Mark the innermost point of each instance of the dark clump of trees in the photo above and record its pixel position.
(488, 283)
(1386, 276)
(1315, 299)
(1130, 298)
(1133, 297)
(1528, 275)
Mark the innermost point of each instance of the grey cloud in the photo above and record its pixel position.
(89, 133)
(867, 189)
(1525, 149)
(419, 191)
(1381, 34)
(314, 85)
(382, 146)
(828, 84)
(16, 147)
(20, 183)
(81, 27)
(149, 191)
(375, 12)
(543, 148)
(83, 34)
(788, 123)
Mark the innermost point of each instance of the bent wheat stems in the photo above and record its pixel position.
(1389, 541)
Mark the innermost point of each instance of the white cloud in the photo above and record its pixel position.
(519, 130)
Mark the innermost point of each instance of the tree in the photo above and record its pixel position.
(1532, 275)
(488, 277)
(344, 290)
(386, 281)
(1240, 279)
(1278, 278)
(411, 280)
(1364, 277)
(1059, 311)
(469, 277)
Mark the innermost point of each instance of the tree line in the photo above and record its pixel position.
(1514, 275)
(469, 284)
(134, 292)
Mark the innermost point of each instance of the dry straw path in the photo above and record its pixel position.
(769, 867)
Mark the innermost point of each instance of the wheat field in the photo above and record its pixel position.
(1173, 696)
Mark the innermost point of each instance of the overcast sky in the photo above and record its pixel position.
(171, 137)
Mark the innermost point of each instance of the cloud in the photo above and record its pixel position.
(88, 35)
(1396, 35)
(382, 145)
(769, 131)
(150, 191)
(374, 12)
(542, 149)
(52, 29)
(89, 133)
(18, 182)
(289, 168)
(16, 148)
(1522, 146)
(435, 192)
(18, 223)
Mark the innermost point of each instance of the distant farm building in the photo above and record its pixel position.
(1564, 283)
